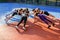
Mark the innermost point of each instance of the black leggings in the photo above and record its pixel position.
(23, 19)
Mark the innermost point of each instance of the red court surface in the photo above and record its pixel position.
(36, 31)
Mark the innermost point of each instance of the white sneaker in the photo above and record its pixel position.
(16, 27)
(24, 28)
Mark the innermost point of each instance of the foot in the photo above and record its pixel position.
(53, 24)
(49, 26)
(24, 28)
(57, 23)
(16, 27)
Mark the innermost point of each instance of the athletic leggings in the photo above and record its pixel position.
(42, 17)
(23, 19)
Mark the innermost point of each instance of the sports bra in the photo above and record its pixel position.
(46, 13)
(36, 14)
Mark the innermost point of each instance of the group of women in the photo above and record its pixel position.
(21, 15)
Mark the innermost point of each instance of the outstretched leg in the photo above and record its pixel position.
(45, 20)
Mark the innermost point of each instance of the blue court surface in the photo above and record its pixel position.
(7, 7)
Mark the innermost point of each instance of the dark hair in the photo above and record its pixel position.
(20, 9)
(33, 9)
(27, 11)
(38, 8)
(16, 10)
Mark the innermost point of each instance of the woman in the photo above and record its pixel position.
(43, 17)
(16, 17)
(47, 14)
(25, 15)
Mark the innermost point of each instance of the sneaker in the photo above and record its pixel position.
(24, 28)
(16, 27)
